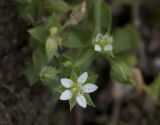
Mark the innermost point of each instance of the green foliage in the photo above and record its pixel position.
(121, 72)
(72, 41)
(106, 17)
(153, 90)
(58, 6)
(129, 58)
(39, 58)
(40, 33)
(126, 39)
(72, 103)
(89, 100)
(65, 31)
(30, 8)
(92, 79)
(74, 75)
(86, 57)
(57, 91)
(48, 74)
(32, 74)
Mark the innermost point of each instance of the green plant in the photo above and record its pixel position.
(64, 46)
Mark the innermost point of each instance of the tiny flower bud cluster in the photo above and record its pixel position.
(103, 43)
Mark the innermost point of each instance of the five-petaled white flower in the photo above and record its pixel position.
(103, 43)
(78, 89)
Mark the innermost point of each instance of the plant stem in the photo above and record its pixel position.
(110, 20)
(97, 15)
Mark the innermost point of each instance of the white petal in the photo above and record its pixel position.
(82, 78)
(108, 47)
(67, 83)
(81, 101)
(99, 36)
(66, 95)
(97, 47)
(88, 88)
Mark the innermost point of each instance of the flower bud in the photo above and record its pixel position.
(103, 43)
(121, 72)
(53, 31)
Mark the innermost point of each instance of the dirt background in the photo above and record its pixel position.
(22, 105)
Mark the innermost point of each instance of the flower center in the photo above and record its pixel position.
(102, 42)
(77, 89)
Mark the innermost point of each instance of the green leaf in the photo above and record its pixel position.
(126, 39)
(39, 58)
(67, 58)
(72, 41)
(129, 58)
(32, 74)
(73, 76)
(72, 102)
(106, 16)
(92, 79)
(34, 44)
(85, 58)
(30, 9)
(153, 90)
(53, 22)
(51, 48)
(67, 61)
(39, 33)
(48, 74)
(89, 100)
(57, 6)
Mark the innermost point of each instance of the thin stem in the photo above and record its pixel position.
(97, 16)
(110, 20)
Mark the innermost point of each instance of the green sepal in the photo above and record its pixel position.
(72, 102)
(92, 79)
(89, 100)
(73, 76)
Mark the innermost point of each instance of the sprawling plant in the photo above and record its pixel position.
(66, 37)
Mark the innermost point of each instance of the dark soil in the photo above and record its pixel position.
(18, 104)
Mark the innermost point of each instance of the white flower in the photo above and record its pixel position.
(103, 43)
(78, 89)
